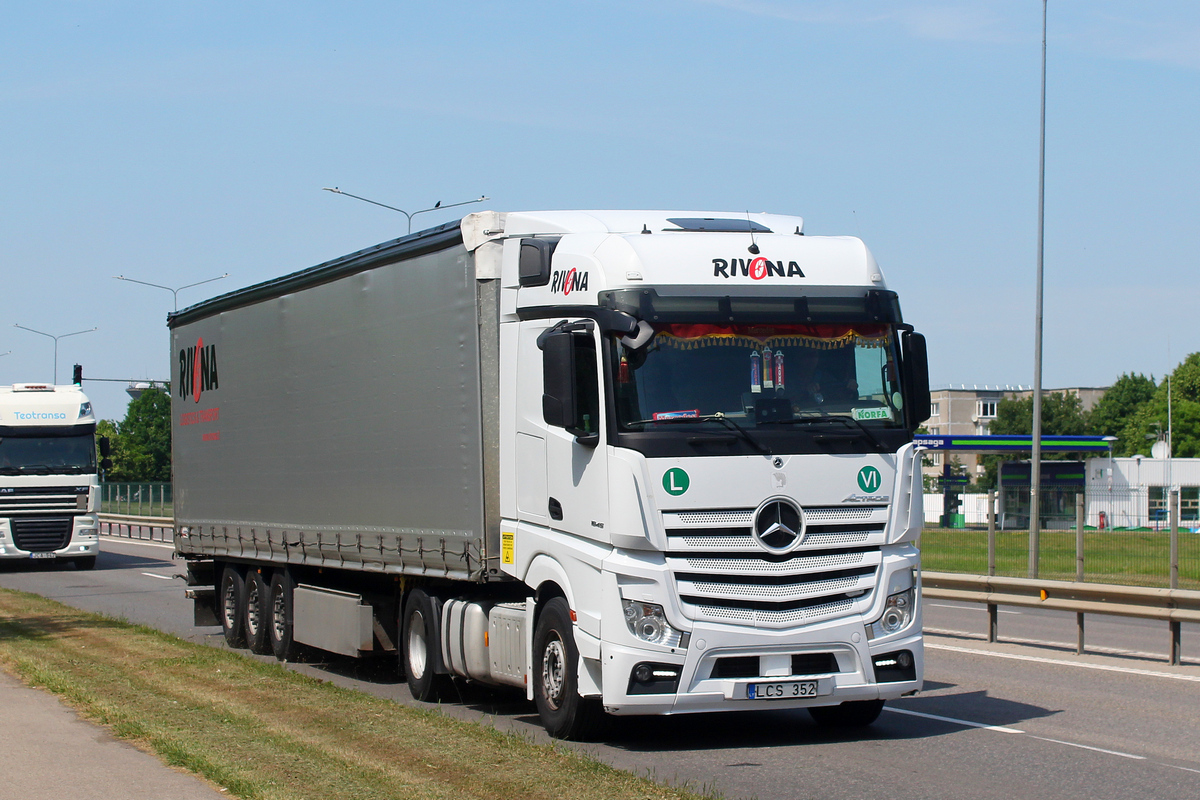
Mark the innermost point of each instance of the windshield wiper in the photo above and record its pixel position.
(824, 417)
(718, 417)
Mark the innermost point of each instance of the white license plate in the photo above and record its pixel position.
(41, 555)
(781, 690)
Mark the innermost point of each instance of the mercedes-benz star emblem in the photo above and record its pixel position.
(779, 525)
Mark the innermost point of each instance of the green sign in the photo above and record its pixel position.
(869, 480)
(676, 481)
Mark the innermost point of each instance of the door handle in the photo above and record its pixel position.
(555, 509)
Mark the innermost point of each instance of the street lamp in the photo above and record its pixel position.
(174, 292)
(1035, 467)
(436, 206)
(55, 338)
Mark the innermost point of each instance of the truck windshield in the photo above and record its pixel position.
(760, 377)
(38, 452)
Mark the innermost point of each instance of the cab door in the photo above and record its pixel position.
(572, 404)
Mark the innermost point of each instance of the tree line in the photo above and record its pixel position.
(140, 444)
(1134, 410)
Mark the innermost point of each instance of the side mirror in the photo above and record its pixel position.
(916, 378)
(105, 447)
(106, 464)
(562, 404)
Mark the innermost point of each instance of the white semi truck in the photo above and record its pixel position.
(49, 492)
(634, 462)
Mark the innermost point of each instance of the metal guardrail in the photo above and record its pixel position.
(1175, 606)
(126, 526)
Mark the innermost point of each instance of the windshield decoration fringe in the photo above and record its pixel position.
(819, 337)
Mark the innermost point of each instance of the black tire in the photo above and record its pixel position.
(848, 715)
(564, 713)
(258, 613)
(419, 649)
(280, 618)
(231, 606)
(85, 562)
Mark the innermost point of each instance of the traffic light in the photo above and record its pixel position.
(77, 379)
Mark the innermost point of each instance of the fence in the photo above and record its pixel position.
(1125, 538)
(137, 499)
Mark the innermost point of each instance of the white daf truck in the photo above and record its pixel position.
(49, 492)
(633, 462)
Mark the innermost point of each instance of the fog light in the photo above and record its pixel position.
(654, 679)
(894, 667)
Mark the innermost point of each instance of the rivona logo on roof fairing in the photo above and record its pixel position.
(779, 525)
(567, 281)
(755, 268)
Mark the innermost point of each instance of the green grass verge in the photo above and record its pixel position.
(261, 731)
(1134, 558)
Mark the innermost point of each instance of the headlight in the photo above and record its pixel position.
(897, 615)
(91, 532)
(647, 622)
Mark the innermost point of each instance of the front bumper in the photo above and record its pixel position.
(698, 691)
(84, 542)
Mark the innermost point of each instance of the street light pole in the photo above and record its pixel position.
(1035, 469)
(174, 292)
(55, 338)
(436, 207)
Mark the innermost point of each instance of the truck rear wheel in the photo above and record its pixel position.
(851, 714)
(231, 606)
(420, 643)
(258, 613)
(280, 618)
(564, 713)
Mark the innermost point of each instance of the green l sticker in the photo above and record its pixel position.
(869, 480)
(676, 481)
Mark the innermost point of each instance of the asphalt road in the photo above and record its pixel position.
(1023, 717)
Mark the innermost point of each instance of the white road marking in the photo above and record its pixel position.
(1185, 769)
(1096, 749)
(968, 608)
(160, 577)
(965, 722)
(1060, 662)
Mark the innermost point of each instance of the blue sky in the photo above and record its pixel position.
(173, 142)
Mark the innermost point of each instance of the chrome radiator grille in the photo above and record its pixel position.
(722, 574)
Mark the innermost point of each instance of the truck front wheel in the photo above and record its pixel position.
(555, 677)
(420, 639)
(232, 606)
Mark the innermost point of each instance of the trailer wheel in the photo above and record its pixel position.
(564, 713)
(258, 613)
(280, 618)
(851, 714)
(231, 606)
(420, 640)
(86, 562)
